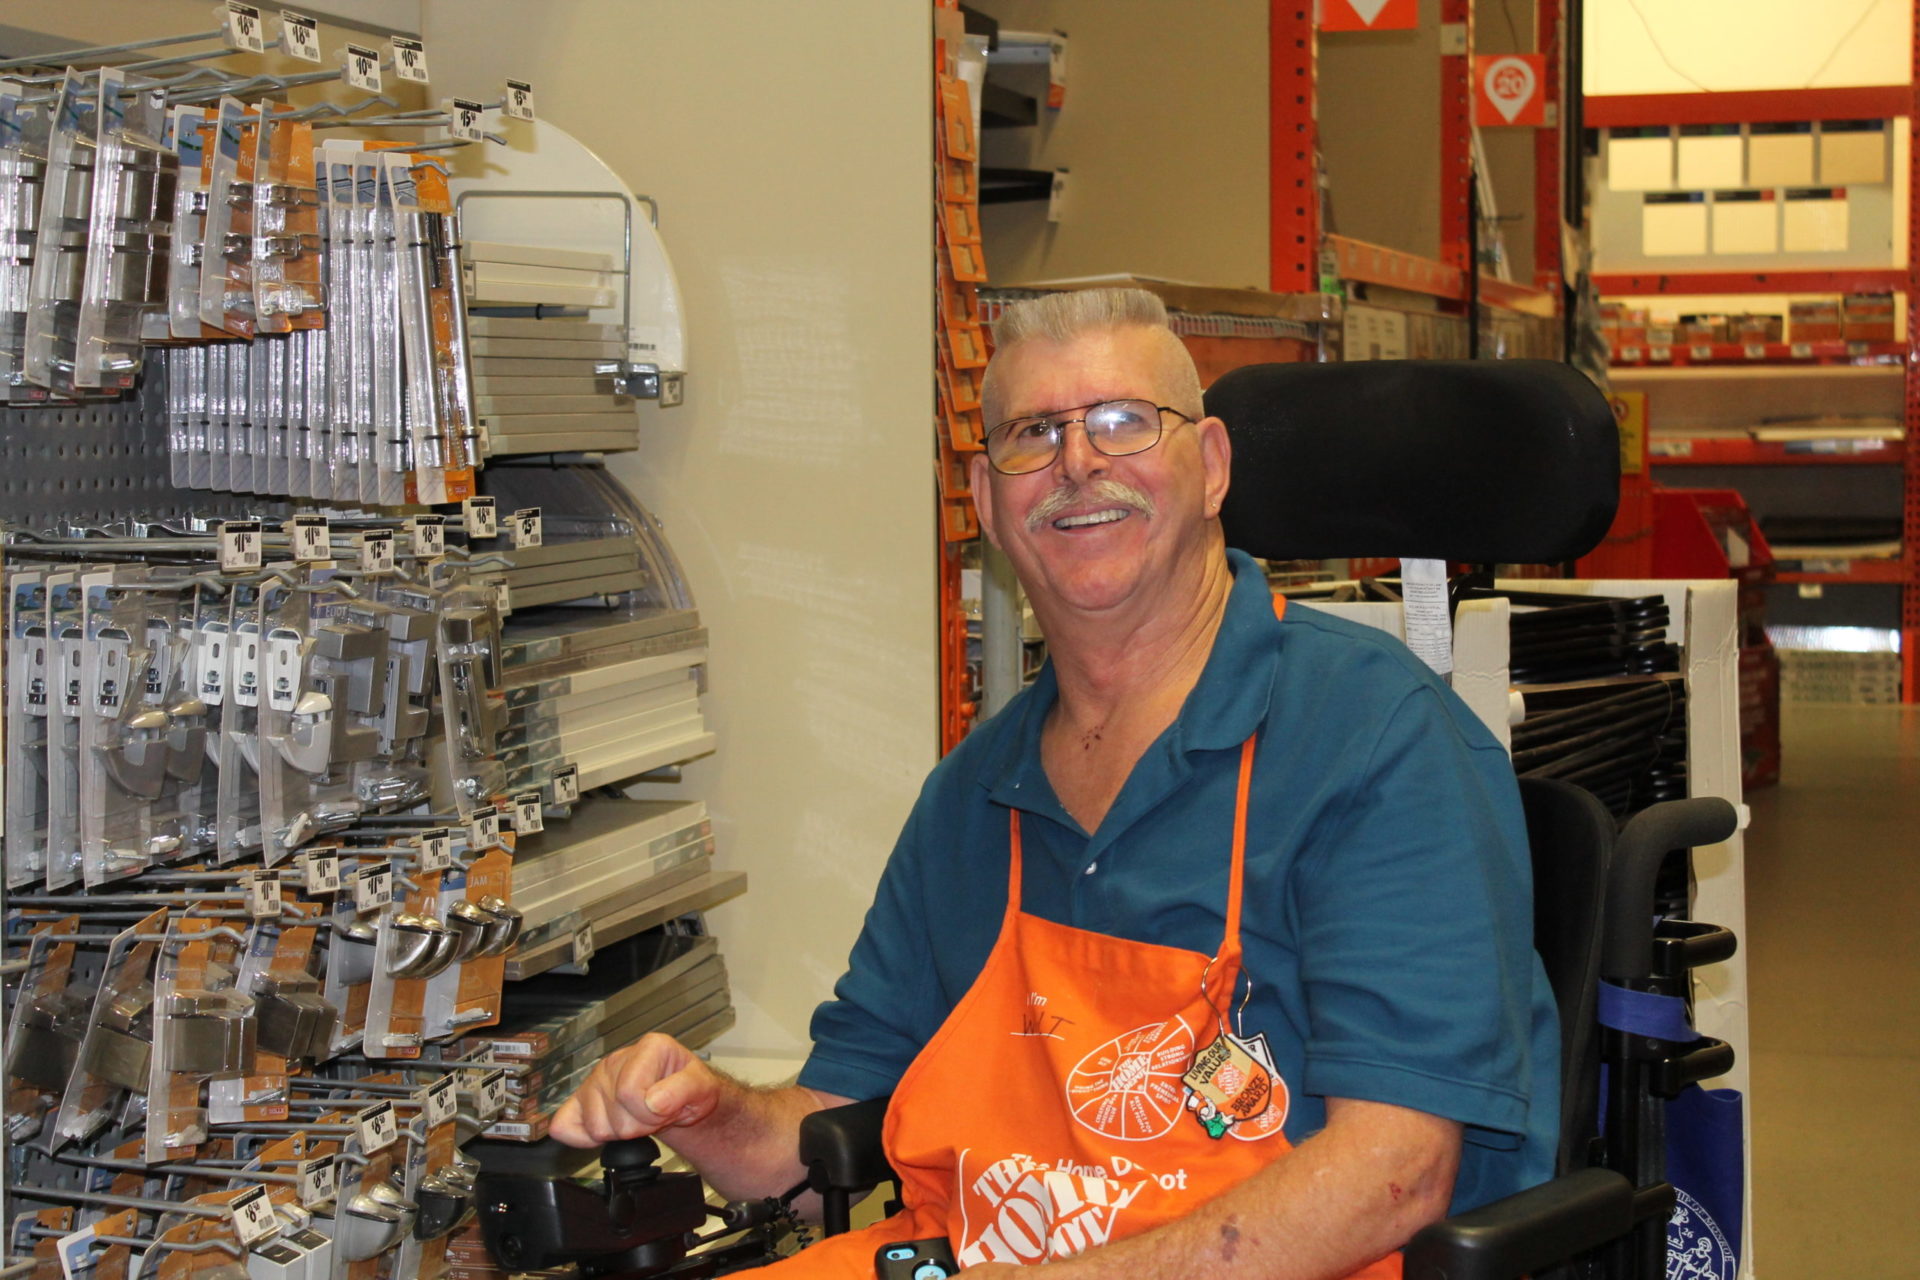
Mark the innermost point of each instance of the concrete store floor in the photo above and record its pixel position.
(1833, 899)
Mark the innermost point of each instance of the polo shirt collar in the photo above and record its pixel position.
(1227, 704)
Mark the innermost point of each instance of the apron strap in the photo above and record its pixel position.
(1224, 974)
(1013, 863)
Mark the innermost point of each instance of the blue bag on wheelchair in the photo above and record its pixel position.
(1705, 1164)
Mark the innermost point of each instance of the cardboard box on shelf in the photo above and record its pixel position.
(1867, 317)
(1814, 320)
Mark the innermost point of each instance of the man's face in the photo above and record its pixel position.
(1151, 524)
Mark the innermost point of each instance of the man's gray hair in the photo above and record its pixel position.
(1063, 317)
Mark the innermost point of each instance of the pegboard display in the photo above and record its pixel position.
(102, 465)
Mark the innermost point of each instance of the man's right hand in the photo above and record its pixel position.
(652, 1084)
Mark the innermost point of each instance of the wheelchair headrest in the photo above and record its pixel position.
(1481, 461)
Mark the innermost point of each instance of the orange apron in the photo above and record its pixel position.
(1084, 1089)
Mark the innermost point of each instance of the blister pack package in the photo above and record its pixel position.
(30, 666)
(66, 616)
(123, 742)
(49, 1023)
(56, 284)
(226, 245)
(24, 129)
(129, 236)
(114, 1056)
(192, 126)
(467, 649)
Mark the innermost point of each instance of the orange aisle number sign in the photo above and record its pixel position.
(1369, 15)
(1509, 88)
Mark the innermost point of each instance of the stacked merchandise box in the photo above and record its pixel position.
(1820, 675)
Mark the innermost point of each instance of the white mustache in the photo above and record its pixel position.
(1114, 492)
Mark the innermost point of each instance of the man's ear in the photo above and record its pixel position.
(980, 480)
(1216, 456)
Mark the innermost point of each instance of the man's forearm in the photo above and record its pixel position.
(1352, 1193)
(749, 1146)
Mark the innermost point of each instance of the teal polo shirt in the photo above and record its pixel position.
(1387, 920)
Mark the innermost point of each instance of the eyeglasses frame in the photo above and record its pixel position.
(1060, 424)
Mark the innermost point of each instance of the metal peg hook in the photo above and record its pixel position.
(165, 1169)
(104, 50)
(119, 1202)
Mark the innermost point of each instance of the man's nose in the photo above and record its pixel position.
(1078, 458)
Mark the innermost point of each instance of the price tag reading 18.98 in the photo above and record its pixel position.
(319, 1181)
(482, 517)
(300, 35)
(239, 546)
(253, 1216)
(378, 1128)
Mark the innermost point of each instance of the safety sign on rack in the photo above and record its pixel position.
(1369, 15)
(1509, 88)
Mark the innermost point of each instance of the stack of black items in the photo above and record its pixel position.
(1606, 708)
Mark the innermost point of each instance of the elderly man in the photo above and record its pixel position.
(1211, 953)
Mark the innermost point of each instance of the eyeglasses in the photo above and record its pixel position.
(1114, 427)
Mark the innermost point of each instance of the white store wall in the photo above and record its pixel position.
(790, 152)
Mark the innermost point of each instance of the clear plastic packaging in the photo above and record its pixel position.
(56, 285)
(129, 235)
(30, 667)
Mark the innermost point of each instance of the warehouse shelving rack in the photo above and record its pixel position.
(1848, 103)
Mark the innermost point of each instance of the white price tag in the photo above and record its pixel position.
(319, 1181)
(244, 31)
(239, 546)
(253, 1217)
(1755, 350)
(429, 536)
(376, 551)
(527, 815)
(483, 830)
(493, 1093)
(310, 538)
(299, 36)
(1700, 351)
(378, 1128)
(502, 597)
(263, 897)
(566, 785)
(439, 1102)
(482, 517)
(409, 59)
(463, 117)
(372, 888)
(583, 945)
(525, 528)
(1801, 350)
(436, 850)
(363, 68)
(519, 104)
(323, 873)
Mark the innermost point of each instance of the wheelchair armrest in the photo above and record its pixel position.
(1526, 1231)
(840, 1146)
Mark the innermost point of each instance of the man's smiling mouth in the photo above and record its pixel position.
(1107, 516)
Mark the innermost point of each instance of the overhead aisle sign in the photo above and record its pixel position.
(1369, 15)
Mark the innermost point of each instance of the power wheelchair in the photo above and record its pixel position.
(1468, 462)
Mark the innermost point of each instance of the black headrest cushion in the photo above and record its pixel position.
(1482, 461)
